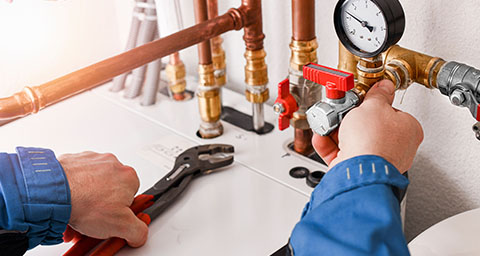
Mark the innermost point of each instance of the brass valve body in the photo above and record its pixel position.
(209, 103)
(346, 60)
(369, 71)
(256, 76)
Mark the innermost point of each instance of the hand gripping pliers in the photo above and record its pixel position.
(193, 162)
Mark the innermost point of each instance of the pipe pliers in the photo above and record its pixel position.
(192, 163)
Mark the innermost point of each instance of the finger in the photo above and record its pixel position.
(133, 229)
(381, 92)
(326, 147)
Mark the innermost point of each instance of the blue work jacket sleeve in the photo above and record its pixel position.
(34, 195)
(353, 211)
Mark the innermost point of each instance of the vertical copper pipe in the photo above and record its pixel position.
(303, 17)
(218, 54)
(304, 50)
(303, 141)
(208, 94)
(204, 48)
(256, 75)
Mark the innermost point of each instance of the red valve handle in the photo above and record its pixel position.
(288, 102)
(478, 112)
(337, 82)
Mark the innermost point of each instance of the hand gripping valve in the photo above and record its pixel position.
(325, 116)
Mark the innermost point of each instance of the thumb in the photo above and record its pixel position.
(135, 230)
(381, 92)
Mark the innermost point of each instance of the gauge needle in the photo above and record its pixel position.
(364, 23)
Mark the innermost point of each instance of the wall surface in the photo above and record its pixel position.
(42, 40)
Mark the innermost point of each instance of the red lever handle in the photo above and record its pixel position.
(337, 82)
(286, 104)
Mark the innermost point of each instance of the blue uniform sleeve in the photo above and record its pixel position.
(353, 211)
(34, 195)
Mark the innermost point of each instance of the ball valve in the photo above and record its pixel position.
(285, 105)
(325, 116)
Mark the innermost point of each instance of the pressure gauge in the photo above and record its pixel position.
(369, 27)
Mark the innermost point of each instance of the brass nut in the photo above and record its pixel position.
(175, 72)
(256, 69)
(178, 87)
(209, 105)
(347, 61)
(299, 121)
(257, 98)
(218, 59)
(303, 52)
(206, 75)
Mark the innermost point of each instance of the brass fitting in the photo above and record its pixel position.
(176, 77)
(405, 66)
(260, 97)
(346, 60)
(370, 71)
(256, 76)
(303, 52)
(209, 103)
(218, 59)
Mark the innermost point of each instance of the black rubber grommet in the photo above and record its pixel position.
(299, 172)
(314, 178)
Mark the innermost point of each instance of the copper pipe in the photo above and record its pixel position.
(302, 143)
(32, 99)
(175, 59)
(218, 54)
(204, 48)
(303, 17)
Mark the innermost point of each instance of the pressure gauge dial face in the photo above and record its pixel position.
(369, 27)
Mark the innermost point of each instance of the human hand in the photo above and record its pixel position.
(102, 190)
(373, 128)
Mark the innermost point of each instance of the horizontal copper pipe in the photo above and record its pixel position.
(303, 17)
(32, 99)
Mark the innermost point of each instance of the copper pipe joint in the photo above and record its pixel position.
(302, 53)
(209, 103)
(347, 61)
(302, 143)
(405, 66)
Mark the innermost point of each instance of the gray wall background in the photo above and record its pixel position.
(42, 40)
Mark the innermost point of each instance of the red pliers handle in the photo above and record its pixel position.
(86, 244)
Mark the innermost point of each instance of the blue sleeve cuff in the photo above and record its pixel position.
(353, 173)
(44, 205)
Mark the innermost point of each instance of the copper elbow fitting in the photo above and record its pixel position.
(256, 76)
(405, 66)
